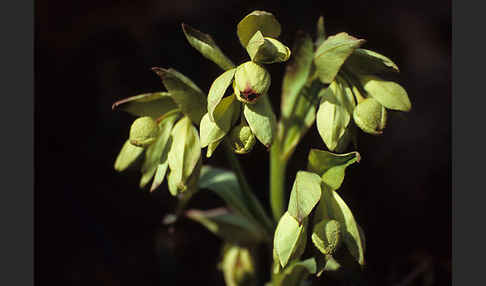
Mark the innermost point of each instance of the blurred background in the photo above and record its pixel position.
(94, 226)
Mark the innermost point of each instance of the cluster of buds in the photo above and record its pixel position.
(248, 102)
(356, 90)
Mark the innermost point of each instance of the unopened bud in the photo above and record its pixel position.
(242, 139)
(143, 131)
(251, 82)
(370, 116)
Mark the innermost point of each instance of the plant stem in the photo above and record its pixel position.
(255, 207)
(277, 181)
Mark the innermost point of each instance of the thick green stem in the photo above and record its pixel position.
(255, 207)
(277, 181)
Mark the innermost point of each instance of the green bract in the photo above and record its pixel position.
(266, 50)
(251, 82)
(143, 131)
(261, 21)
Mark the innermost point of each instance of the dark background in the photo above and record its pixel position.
(93, 226)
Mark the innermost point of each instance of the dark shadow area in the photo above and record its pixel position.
(93, 226)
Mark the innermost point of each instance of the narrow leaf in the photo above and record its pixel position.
(188, 96)
(153, 104)
(331, 167)
(261, 119)
(205, 44)
(331, 54)
(232, 228)
(305, 194)
(224, 184)
(262, 21)
(296, 72)
(218, 89)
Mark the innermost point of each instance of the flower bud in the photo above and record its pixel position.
(370, 116)
(326, 236)
(143, 131)
(242, 139)
(251, 82)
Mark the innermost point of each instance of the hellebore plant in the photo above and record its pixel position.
(329, 80)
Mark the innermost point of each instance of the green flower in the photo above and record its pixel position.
(165, 134)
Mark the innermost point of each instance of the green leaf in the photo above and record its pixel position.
(188, 96)
(267, 50)
(218, 89)
(347, 95)
(300, 120)
(213, 131)
(238, 266)
(370, 116)
(331, 54)
(224, 184)
(367, 62)
(332, 117)
(390, 94)
(153, 104)
(331, 167)
(320, 32)
(185, 151)
(127, 156)
(350, 230)
(289, 239)
(261, 119)
(232, 228)
(156, 153)
(296, 73)
(262, 21)
(295, 273)
(305, 194)
(205, 44)
(326, 236)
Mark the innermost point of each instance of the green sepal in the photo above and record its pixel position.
(214, 131)
(332, 117)
(185, 152)
(242, 139)
(157, 153)
(390, 94)
(257, 21)
(127, 156)
(205, 44)
(188, 96)
(330, 166)
(370, 116)
(338, 210)
(230, 227)
(143, 131)
(153, 104)
(266, 50)
(218, 89)
(305, 194)
(290, 238)
(262, 120)
(366, 62)
(332, 53)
